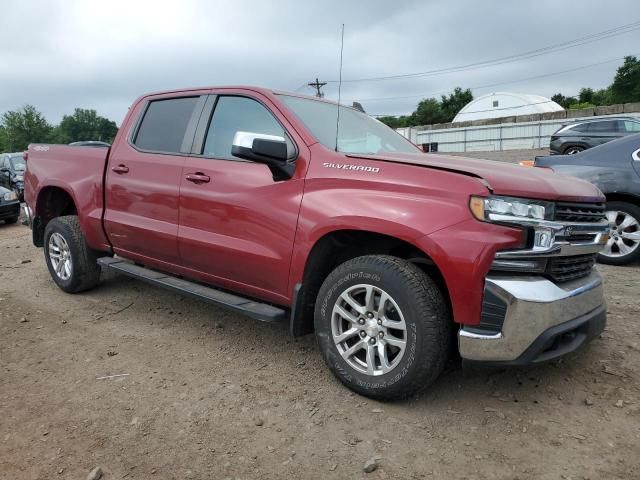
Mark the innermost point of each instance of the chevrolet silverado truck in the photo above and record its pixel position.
(268, 204)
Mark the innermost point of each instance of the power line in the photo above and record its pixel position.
(594, 37)
(426, 95)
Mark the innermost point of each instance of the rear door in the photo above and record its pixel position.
(143, 178)
(605, 131)
(237, 224)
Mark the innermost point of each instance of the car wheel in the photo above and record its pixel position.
(10, 220)
(383, 326)
(573, 150)
(71, 263)
(623, 245)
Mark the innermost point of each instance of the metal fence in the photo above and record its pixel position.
(489, 138)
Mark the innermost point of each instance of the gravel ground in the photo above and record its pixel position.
(147, 384)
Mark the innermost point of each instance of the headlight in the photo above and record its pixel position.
(10, 196)
(506, 209)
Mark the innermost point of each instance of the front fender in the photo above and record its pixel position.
(463, 253)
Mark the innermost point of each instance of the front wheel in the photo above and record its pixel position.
(10, 221)
(71, 263)
(383, 326)
(624, 234)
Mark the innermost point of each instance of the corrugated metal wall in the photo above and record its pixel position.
(504, 136)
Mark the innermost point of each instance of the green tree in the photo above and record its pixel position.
(626, 84)
(563, 101)
(579, 105)
(602, 97)
(428, 112)
(23, 127)
(452, 104)
(394, 122)
(84, 124)
(3, 140)
(585, 95)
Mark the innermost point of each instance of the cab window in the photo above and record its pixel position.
(234, 114)
(164, 124)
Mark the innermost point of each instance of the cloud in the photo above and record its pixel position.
(58, 55)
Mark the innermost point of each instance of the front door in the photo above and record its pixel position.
(237, 224)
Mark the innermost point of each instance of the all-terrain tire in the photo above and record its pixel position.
(426, 315)
(84, 270)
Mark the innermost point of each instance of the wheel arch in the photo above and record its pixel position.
(338, 246)
(623, 197)
(52, 201)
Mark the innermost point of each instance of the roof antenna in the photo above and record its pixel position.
(339, 86)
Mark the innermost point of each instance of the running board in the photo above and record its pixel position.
(257, 310)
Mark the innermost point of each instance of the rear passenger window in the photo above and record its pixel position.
(238, 114)
(164, 124)
(603, 127)
(632, 127)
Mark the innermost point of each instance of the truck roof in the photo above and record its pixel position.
(253, 88)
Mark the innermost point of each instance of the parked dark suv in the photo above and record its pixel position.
(583, 134)
(12, 172)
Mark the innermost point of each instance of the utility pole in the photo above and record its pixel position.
(317, 85)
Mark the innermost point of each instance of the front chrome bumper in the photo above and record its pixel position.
(536, 308)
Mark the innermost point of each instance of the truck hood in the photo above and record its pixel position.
(503, 178)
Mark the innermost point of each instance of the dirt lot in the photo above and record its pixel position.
(208, 394)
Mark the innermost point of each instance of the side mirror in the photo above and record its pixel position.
(271, 150)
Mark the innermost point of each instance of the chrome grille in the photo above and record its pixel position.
(579, 212)
(563, 269)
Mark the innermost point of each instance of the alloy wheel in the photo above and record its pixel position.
(60, 256)
(624, 234)
(369, 329)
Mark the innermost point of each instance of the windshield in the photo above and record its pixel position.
(18, 162)
(358, 132)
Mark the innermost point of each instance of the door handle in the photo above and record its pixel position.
(198, 177)
(120, 169)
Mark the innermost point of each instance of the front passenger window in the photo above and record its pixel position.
(238, 114)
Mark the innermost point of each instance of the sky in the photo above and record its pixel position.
(59, 55)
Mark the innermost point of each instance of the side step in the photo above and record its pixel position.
(257, 310)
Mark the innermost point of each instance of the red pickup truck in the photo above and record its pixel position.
(248, 198)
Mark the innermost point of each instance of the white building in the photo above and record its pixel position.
(504, 104)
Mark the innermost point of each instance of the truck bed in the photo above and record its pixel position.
(79, 171)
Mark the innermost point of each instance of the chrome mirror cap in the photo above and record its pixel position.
(245, 139)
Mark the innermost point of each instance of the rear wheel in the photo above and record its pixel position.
(11, 220)
(72, 264)
(624, 234)
(573, 150)
(383, 326)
